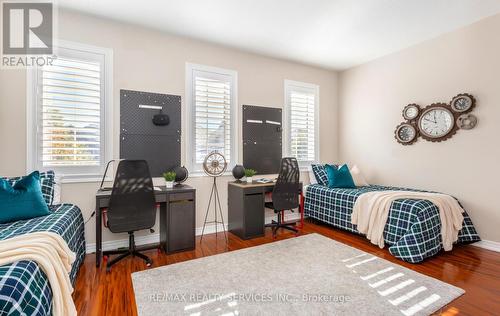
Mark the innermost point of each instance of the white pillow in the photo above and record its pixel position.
(357, 176)
(312, 177)
(57, 189)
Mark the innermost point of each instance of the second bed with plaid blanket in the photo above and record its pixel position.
(24, 287)
(413, 228)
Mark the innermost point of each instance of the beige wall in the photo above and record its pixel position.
(147, 60)
(373, 95)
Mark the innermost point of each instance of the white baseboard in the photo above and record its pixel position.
(155, 238)
(115, 244)
(488, 244)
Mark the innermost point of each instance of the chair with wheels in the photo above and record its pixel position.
(285, 195)
(132, 206)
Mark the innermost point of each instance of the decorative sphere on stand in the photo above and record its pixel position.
(181, 175)
(238, 172)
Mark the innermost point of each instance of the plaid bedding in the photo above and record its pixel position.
(413, 229)
(24, 287)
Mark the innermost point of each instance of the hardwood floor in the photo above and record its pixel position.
(473, 269)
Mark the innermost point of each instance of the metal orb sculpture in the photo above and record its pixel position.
(215, 164)
(181, 175)
(238, 172)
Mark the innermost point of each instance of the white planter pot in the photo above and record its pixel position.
(249, 179)
(169, 184)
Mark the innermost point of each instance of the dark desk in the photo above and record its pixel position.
(246, 211)
(177, 218)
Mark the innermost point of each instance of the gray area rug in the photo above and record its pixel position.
(307, 275)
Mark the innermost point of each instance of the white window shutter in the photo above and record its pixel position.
(70, 113)
(211, 96)
(302, 125)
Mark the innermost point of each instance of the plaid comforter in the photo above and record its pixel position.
(413, 229)
(24, 287)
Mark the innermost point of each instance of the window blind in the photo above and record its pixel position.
(302, 125)
(70, 113)
(212, 119)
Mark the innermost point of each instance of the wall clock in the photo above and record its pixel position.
(463, 103)
(406, 133)
(438, 121)
(411, 111)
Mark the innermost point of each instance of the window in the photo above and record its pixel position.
(69, 119)
(211, 98)
(301, 121)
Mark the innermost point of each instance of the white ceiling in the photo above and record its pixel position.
(335, 34)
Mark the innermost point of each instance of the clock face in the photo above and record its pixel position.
(406, 133)
(461, 103)
(436, 122)
(411, 111)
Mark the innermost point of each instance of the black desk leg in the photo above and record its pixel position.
(98, 236)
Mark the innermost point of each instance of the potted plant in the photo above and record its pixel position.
(249, 173)
(169, 179)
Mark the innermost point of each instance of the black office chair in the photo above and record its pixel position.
(285, 194)
(132, 206)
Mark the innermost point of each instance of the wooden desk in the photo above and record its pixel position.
(177, 218)
(246, 210)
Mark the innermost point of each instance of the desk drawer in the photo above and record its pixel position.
(253, 217)
(181, 196)
(181, 226)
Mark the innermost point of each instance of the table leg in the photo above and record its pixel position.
(98, 237)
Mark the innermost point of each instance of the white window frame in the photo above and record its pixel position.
(76, 173)
(190, 156)
(306, 87)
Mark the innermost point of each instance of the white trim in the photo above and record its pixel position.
(488, 244)
(188, 115)
(288, 217)
(85, 179)
(201, 174)
(286, 121)
(155, 238)
(31, 112)
(148, 239)
(115, 244)
(31, 131)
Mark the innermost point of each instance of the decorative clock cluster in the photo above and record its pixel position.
(438, 121)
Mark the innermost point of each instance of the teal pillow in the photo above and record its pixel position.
(339, 177)
(24, 200)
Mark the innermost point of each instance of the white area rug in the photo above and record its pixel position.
(307, 275)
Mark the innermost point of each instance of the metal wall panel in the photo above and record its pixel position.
(160, 146)
(262, 138)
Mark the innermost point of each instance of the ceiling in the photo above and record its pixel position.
(334, 34)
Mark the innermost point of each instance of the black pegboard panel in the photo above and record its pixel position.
(135, 120)
(262, 131)
(261, 156)
(159, 151)
(262, 138)
(160, 146)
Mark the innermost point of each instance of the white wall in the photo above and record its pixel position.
(148, 60)
(373, 95)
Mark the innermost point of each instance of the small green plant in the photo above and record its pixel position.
(250, 172)
(169, 176)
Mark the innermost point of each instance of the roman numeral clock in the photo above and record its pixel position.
(436, 122)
